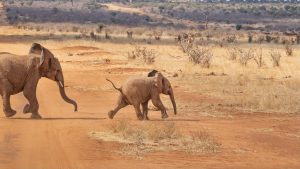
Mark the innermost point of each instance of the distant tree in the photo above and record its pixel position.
(238, 27)
(161, 8)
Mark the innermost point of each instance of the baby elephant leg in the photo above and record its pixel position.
(145, 110)
(157, 102)
(33, 106)
(138, 112)
(6, 90)
(121, 103)
(26, 109)
(8, 111)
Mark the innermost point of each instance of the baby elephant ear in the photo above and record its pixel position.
(158, 81)
(152, 73)
(36, 49)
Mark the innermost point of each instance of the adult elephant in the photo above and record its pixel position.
(22, 73)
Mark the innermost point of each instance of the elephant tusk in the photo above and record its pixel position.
(61, 84)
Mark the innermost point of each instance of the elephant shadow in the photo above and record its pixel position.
(60, 118)
(182, 120)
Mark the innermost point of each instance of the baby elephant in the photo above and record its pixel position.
(138, 91)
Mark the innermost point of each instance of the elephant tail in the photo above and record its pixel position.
(119, 89)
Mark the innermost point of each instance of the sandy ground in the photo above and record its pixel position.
(60, 140)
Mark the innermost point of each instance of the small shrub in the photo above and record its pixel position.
(186, 42)
(94, 36)
(185, 45)
(75, 29)
(258, 57)
(238, 27)
(107, 36)
(275, 57)
(245, 56)
(268, 38)
(157, 35)
(201, 55)
(298, 39)
(276, 39)
(129, 34)
(231, 38)
(260, 39)
(233, 52)
(100, 28)
(289, 50)
(142, 53)
(250, 38)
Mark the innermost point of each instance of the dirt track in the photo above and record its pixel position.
(60, 139)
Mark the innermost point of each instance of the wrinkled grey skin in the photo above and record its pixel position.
(22, 73)
(138, 91)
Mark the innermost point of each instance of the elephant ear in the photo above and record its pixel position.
(46, 55)
(36, 49)
(152, 73)
(158, 81)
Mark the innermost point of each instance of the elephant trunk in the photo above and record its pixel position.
(61, 85)
(172, 98)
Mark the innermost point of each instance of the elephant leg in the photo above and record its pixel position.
(33, 106)
(145, 110)
(26, 108)
(138, 112)
(8, 111)
(6, 90)
(121, 104)
(157, 102)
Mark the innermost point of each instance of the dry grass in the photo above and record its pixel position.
(269, 95)
(143, 54)
(150, 137)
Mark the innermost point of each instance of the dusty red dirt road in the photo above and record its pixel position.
(60, 140)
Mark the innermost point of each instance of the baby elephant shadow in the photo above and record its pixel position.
(61, 118)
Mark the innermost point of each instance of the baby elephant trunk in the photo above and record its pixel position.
(172, 98)
(61, 85)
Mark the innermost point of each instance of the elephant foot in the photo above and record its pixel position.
(146, 118)
(111, 114)
(140, 116)
(10, 113)
(164, 116)
(26, 108)
(36, 116)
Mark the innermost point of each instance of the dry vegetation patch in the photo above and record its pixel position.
(149, 137)
(142, 54)
(201, 55)
(275, 57)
